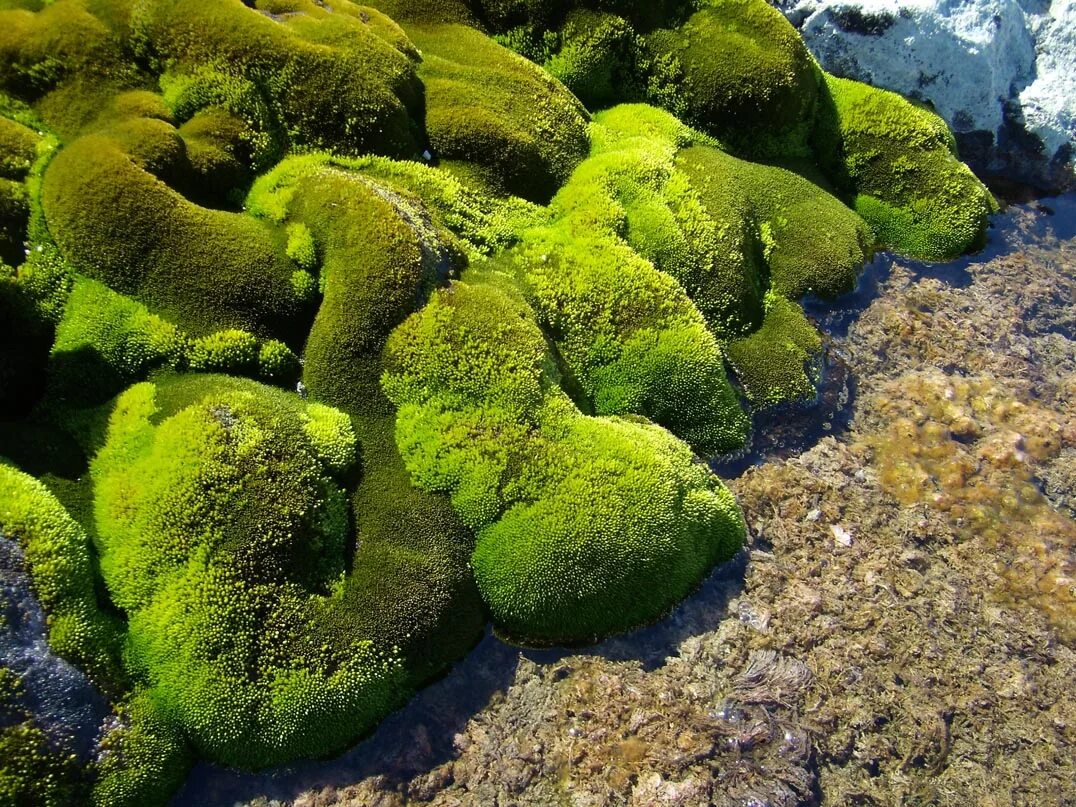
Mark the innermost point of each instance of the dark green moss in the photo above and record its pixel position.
(202, 269)
(343, 79)
(491, 108)
(25, 338)
(738, 70)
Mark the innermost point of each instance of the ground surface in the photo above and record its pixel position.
(900, 630)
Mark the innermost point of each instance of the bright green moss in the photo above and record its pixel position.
(776, 363)
(276, 362)
(57, 555)
(222, 533)
(897, 162)
(488, 107)
(586, 526)
(105, 341)
(144, 757)
(224, 350)
(301, 247)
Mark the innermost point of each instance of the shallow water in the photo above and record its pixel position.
(923, 556)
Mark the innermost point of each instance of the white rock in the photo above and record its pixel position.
(1001, 72)
(841, 535)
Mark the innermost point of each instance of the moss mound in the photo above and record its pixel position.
(585, 525)
(897, 162)
(738, 69)
(223, 533)
(498, 114)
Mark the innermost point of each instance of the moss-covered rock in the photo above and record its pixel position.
(497, 113)
(897, 164)
(739, 70)
(223, 533)
(586, 526)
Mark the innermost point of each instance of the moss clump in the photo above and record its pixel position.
(223, 533)
(143, 757)
(585, 526)
(105, 341)
(185, 177)
(202, 269)
(18, 152)
(341, 79)
(57, 555)
(811, 242)
(775, 364)
(739, 70)
(662, 247)
(492, 110)
(897, 163)
(410, 585)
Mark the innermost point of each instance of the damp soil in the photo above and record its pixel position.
(899, 629)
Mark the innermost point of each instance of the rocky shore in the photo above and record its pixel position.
(900, 630)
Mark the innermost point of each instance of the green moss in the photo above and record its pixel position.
(144, 757)
(897, 162)
(342, 79)
(585, 526)
(276, 363)
(58, 558)
(105, 341)
(202, 269)
(224, 350)
(221, 530)
(776, 364)
(738, 70)
(18, 152)
(493, 109)
(811, 242)
(596, 59)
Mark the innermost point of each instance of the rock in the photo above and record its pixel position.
(60, 699)
(999, 72)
